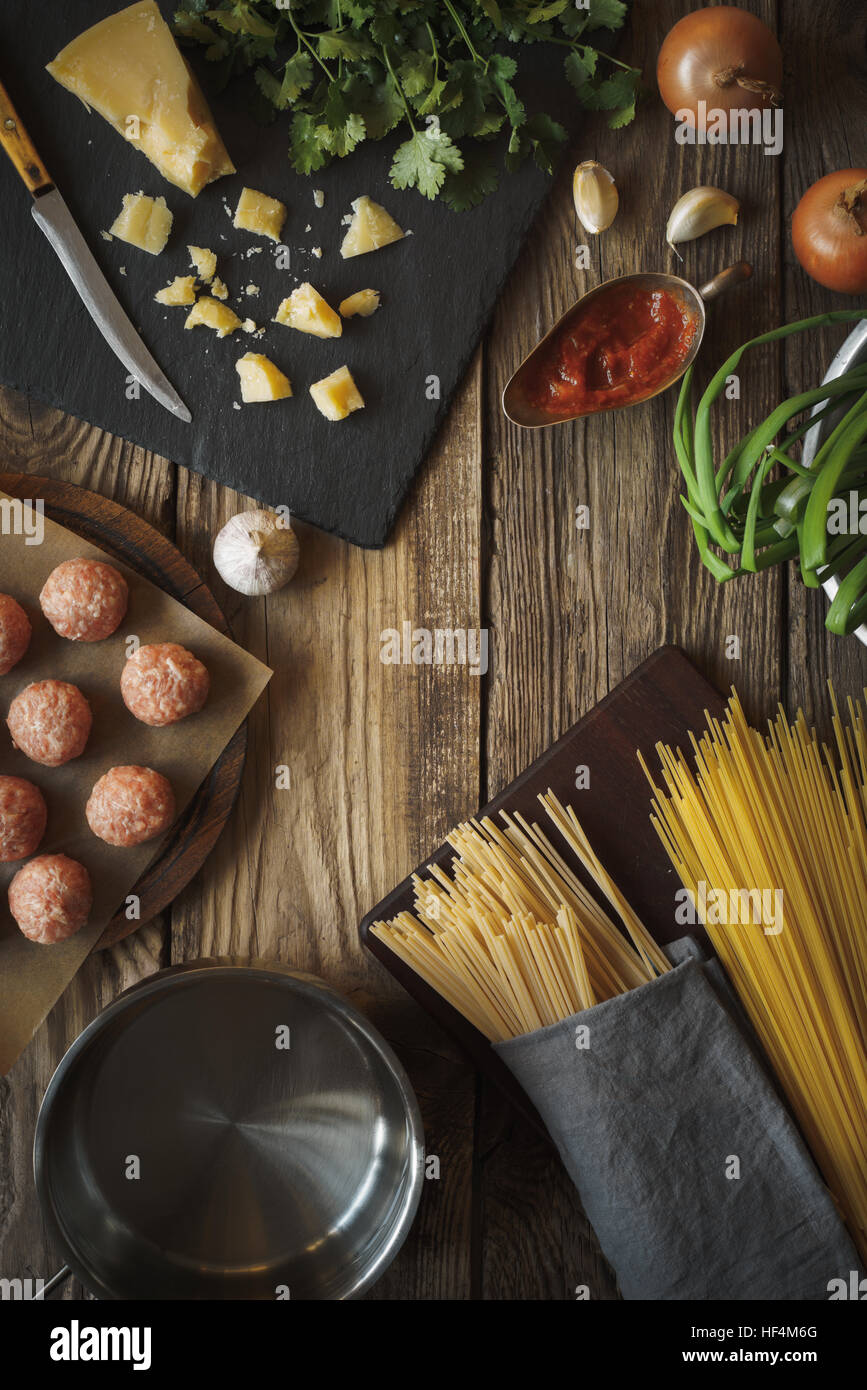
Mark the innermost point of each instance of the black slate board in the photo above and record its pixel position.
(439, 287)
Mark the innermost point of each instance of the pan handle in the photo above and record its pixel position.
(59, 1278)
(726, 280)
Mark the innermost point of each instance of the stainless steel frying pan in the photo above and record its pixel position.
(228, 1131)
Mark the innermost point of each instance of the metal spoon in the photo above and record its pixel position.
(515, 402)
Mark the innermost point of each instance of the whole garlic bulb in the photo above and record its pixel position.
(595, 196)
(256, 552)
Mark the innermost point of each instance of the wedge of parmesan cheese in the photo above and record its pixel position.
(204, 261)
(370, 229)
(213, 314)
(260, 379)
(363, 302)
(337, 395)
(306, 310)
(182, 290)
(143, 222)
(258, 213)
(129, 69)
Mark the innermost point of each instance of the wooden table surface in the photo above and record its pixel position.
(385, 759)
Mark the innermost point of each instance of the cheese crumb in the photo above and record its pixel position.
(218, 289)
(106, 236)
(249, 326)
(143, 222)
(258, 213)
(363, 302)
(306, 310)
(317, 252)
(370, 228)
(213, 315)
(319, 197)
(204, 260)
(122, 269)
(252, 290)
(181, 290)
(260, 379)
(337, 395)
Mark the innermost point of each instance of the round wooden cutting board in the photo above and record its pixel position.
(121, 533)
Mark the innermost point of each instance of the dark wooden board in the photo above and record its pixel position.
(439, 288)
(661, 701)
(121, 533)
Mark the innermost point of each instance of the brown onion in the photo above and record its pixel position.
(723, 56)
(829, 231)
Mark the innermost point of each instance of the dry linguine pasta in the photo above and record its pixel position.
(783, 811)
(511, 937)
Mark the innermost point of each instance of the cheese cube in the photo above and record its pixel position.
(204, 261)
(260, 379)
(258, 213)
(306, 310)
(212, 314)
(337, 395)
(182, 290)
(371, 228)
(363, 302)
(143, 222)
(129, 69)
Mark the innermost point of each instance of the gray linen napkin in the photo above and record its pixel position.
(667, 1098)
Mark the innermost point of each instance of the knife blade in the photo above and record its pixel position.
(54, 218)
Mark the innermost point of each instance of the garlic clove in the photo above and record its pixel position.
(256, 552)
(595, 196)
(699, 211)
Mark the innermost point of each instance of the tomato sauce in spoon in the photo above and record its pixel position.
(620, 348)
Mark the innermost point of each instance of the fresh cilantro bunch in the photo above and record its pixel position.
(353, 70)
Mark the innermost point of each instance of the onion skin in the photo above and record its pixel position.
(829, 231)
(722, 56)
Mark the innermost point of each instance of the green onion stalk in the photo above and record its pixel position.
(761, 505)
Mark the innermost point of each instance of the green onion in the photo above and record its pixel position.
(757, 521)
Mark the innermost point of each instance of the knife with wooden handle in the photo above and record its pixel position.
(51, 214)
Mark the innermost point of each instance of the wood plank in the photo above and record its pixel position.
(572, 612)
(382, 760)
(821, 135)
(37, 439)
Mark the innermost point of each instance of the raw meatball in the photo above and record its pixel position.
(50, 898)
(23, 814)
(15, 633)
(163, 683)
(84, 600)
(50, 722)
(130, 805)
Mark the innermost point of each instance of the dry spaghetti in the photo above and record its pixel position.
(783, 812)
(511, 937)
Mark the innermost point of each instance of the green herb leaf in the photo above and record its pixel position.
(540, 14)
(580, 66)
(242, 19)
(547, 138)
(423, 161)
(468, 187)
(305, 146)
(606, 14)
(297, 77)
(353, 70)
(341, 45)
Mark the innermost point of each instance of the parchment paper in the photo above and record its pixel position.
(32, 977)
